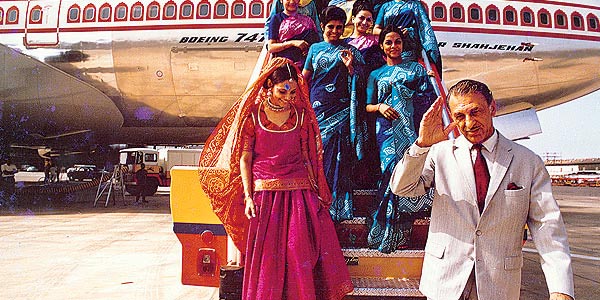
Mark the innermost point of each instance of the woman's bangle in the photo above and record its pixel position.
(378, 106)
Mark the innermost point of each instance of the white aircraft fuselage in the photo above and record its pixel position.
(165, 72)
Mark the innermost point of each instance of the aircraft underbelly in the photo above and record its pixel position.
(42, 101)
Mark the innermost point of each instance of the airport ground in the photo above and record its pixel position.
(62, 247)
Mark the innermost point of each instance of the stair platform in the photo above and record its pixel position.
(370, 288)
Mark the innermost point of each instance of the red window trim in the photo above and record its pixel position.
(83, 19)
(436, 5)
(556, 25)
(587, 19)
(262, 9)
(539, 16)
(164, 13)
(141, 18)
(109, 13)
(522, 15)
(215, 16)
(498, 16)
(1, 15)
(8, 11)
(451, 14)
(475, 6)
(191, 16)
(117, 10)
(270, 5)
(69, 14)
(151, 4)
(233, 16)
(198, 16)
(31, 15)
(577, 14)
(506, 22)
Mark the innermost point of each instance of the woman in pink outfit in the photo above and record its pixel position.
(262, 169)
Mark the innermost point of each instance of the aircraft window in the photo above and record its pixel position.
(256, 9)
(439, 12)
(456, 13)
(475, 14)
(170, 11)
(89, 14)
(560, 19)
(36, 15)
(105, 13)
(186, 10)
(137, 12)
(577, 22)
(527, 18)
(121, 13)
(544, 18)
(238, 9)
(153, 11)
(493, 15)
(592, 22)
(1, 16)
(510, 16)
(221, 9)
(12, 15)
(203, 10)
(73, 14)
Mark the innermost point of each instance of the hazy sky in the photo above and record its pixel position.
(572, 129)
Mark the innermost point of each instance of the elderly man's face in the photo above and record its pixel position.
(473, 116)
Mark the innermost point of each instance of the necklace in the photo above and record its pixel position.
(274, 107)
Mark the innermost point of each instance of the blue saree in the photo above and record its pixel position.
(335, 97)
(405, 87)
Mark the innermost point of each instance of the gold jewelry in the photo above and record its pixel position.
(273, 107)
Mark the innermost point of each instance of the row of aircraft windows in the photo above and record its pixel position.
(509, 16)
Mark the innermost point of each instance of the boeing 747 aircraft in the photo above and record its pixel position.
(74, 74)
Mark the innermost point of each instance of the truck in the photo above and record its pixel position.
(158, 163)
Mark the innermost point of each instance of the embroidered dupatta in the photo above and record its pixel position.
(220, 159)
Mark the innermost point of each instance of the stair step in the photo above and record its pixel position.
(353, 233)
(385, 287)
(373, 263)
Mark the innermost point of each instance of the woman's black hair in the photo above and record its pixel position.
(281, 74)
(361, 5)
(388, 29)
(332, 13)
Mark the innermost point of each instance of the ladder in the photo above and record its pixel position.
(113, 185)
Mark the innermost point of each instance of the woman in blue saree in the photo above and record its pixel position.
(410, 15)
(333, 69)
(392, 93)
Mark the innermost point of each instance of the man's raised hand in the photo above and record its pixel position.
(431, 129)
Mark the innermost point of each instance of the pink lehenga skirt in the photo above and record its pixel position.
(293, 250)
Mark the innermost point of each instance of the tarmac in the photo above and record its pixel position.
(62, 247)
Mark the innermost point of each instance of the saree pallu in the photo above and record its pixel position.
(298, 27)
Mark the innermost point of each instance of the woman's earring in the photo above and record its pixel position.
(269, 94)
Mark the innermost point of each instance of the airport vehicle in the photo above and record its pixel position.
(158, 163)
(80, 74)
(81, 172)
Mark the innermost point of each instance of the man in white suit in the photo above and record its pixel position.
(474, 250)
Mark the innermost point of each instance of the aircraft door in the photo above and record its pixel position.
(41, 25)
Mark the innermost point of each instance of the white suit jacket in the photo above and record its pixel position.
(460, 239)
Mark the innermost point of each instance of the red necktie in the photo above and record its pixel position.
(482, 177)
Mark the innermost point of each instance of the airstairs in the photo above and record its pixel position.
(378, 275)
